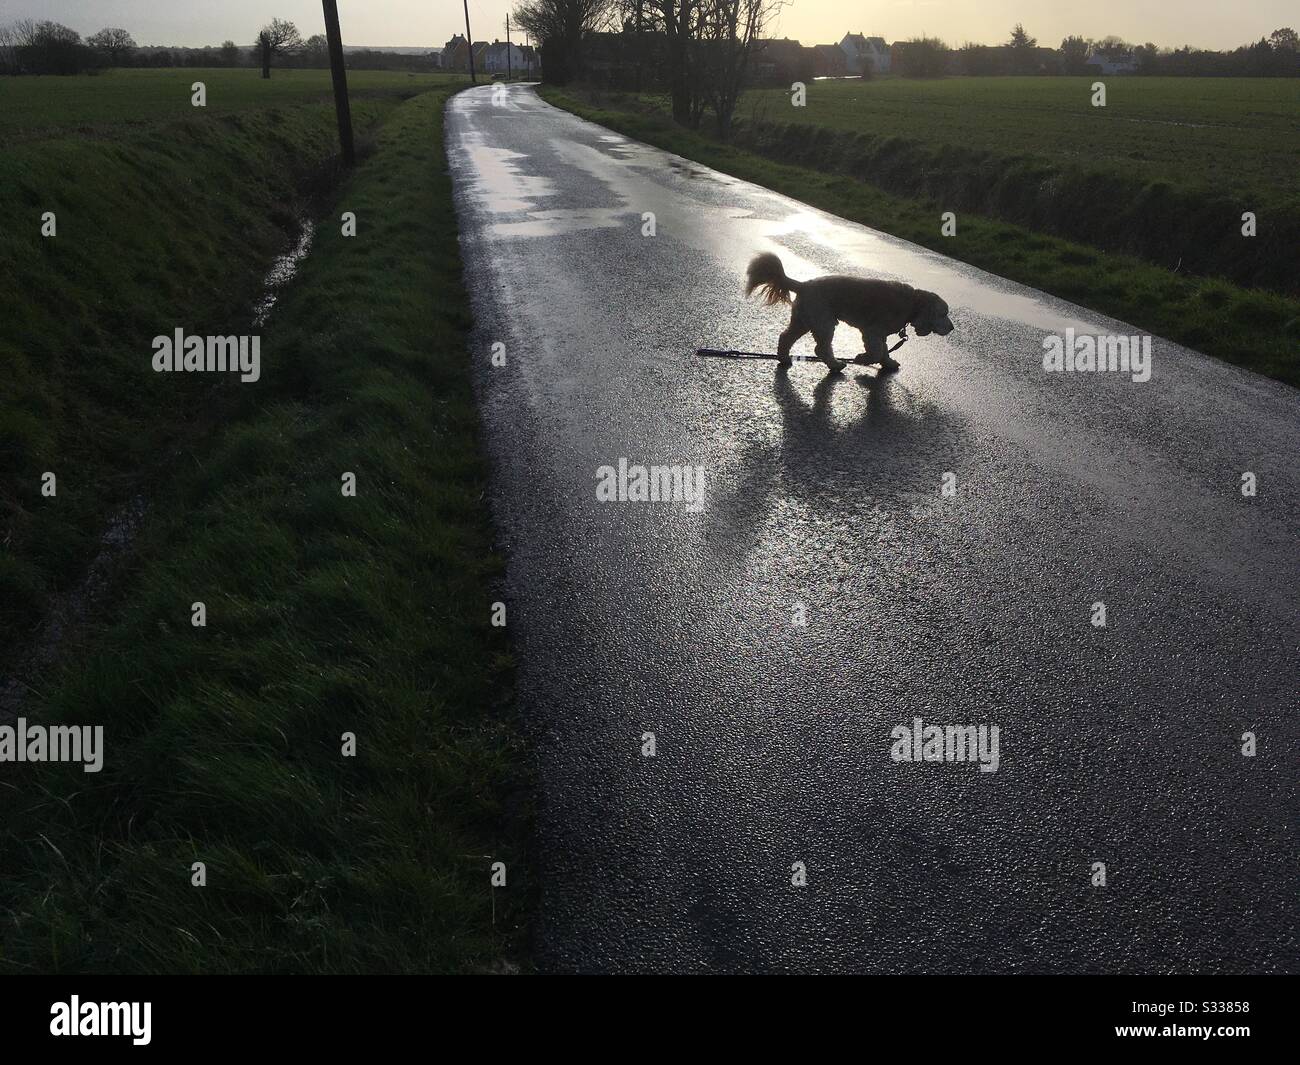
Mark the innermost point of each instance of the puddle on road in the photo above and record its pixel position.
(501, 186)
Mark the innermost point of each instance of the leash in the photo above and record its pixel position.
(731, 353)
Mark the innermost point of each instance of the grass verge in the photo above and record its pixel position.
(1257, 329)
(153, 228)
(326, 615)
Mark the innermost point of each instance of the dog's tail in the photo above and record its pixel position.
(768, 276)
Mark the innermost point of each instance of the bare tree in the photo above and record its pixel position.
(45, 47)
(8, 50)
(25, 32)
(559, 26)
(681, 24)
(279, 37)
(316, 51)
(113, 43)
(641, 26)
(730, 31)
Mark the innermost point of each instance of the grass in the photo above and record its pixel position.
(166, 223)
(1235, 135)
(1251, 326)
(105, 103)
(325, 615)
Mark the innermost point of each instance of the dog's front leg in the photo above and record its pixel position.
(886, 362)
(876, 351)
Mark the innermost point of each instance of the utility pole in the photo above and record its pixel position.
(469, 40)
(640, 43)
(341, 108)
(507, 46)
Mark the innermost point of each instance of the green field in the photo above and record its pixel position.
(165, 223)
(1240, 135)
(326, 614)
(39, 107)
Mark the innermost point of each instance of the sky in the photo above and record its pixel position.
(420, 23)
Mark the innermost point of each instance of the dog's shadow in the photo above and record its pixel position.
(829, 446)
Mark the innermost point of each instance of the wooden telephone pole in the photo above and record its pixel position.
(507, 46)
(334, 38)
(469, 40)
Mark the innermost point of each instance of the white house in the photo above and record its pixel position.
(494, 61)
(1115, 62)
(865, 53)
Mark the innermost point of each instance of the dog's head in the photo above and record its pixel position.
(930, 315)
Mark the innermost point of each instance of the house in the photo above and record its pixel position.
(1114, 62)
(865, 55)
(502, 58)
(783, 61)
(455, 55)
(532, 61)
(829, 61)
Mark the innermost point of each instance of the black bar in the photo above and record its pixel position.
(353, 1013)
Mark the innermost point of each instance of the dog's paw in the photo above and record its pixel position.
(864, 360)
(836, 365)
(888, 365)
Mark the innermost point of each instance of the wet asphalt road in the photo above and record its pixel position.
(1119, 745)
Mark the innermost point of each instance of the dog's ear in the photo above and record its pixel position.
(922, 303)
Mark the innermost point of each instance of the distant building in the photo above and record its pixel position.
(865, 55)
(1114, 62)
(782, 61)
(532, 61)
(455, 54)
(502, 58)
(829, 61)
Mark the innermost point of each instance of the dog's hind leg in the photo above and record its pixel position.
(796, 329)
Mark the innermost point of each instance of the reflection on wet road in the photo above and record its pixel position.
(829, 592)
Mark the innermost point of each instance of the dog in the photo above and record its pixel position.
(876, 309)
